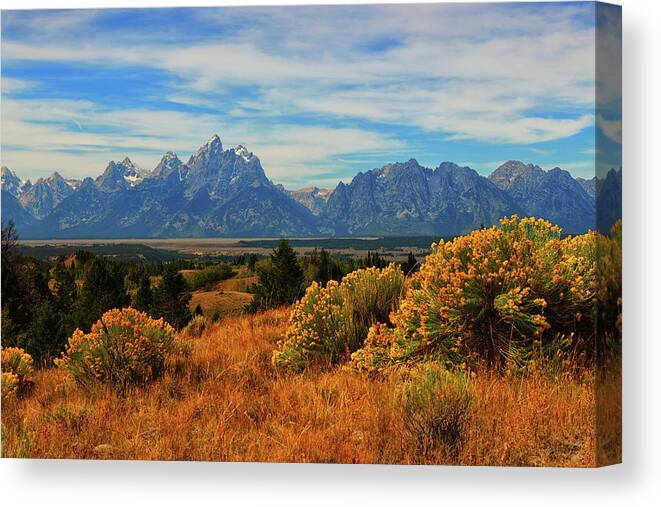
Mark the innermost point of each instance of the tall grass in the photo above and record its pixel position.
(227, 403)
(435, 405)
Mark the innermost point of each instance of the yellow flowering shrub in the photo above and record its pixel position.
(332, 321)
(609, 291)
(492, 295)
(10, 385)
(15, 360)
(16, 368)
(124, 348)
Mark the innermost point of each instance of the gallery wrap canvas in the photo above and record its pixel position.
(318, 234)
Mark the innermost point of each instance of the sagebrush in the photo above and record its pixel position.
(333, 321)
(497, 295)
(124, 348)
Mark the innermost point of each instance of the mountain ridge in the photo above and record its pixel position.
(226, 193)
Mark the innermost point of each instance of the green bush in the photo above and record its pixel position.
(210, 275)
(333, 321)
(195, 327)
(435, 407)
(124, 348)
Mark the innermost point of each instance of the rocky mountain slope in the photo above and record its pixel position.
(406, 198)
(225, 192)
(553, 195)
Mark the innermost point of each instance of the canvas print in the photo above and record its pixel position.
(332, 234)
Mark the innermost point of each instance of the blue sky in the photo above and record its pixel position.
(318, 93)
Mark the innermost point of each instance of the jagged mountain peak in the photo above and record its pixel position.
(6, 172)
(508, 172)
(170, 164)
(226, 192)
(56, 176)
(213, 145)
(243, 152)
(120, 175)
(12, 183)
(554, 195)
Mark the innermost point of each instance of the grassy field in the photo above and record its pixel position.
(226, 402)
(226, 298)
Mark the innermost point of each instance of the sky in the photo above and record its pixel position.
(318, 93)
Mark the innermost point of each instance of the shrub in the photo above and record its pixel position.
(10, 385)
(332, 321)
(493, 295)
(16, 368)
(124, 348)
(435, 407)
(195, 327)
(609, 292)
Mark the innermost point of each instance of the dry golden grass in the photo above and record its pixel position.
(226, 303)
(227, 403)
(239, 284)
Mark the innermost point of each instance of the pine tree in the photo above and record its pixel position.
(252, 260)
(144, 298)
(280, 282)
(102, 290)
(66, 297)
(171, 298)
(47, 336)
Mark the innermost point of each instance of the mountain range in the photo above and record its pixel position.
(225, 193)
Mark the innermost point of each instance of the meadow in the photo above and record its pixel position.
(228, 403)
(488, 354)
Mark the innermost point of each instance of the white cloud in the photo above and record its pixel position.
(37, 139)
(13, 85)
(455, 71)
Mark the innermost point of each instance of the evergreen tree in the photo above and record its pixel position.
(198, 310)
(47, 334)
(24, 289)
(171, 298)
(252, 260)
(65, 300)
(144, 298)
(280, 282)
(373, 260)
(102, 290)
(66, 290)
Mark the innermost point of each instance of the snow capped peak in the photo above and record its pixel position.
(128, 163)
(243, 152)
(170, 155)
(6, 172)
(214, 142)
(73, 183)
(125, 170)
(212, 148)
